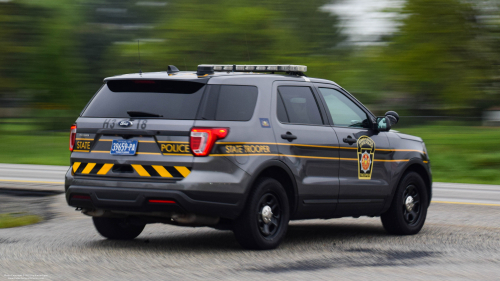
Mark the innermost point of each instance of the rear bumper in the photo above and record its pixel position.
(137, 200)
(201, 193)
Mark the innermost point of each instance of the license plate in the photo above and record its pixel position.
(123, 147)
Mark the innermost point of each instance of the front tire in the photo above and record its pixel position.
(264, 221)
(117, 229)
(408, 210)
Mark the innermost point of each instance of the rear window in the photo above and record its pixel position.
(297, 105)
(170, 99)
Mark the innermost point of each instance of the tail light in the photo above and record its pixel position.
(202, 139)
(72, 137)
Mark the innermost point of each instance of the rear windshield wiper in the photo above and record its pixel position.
(133, 113)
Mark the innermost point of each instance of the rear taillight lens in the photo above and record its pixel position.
(72, 137)
(202, 139)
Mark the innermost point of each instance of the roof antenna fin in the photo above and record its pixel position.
(139, 53)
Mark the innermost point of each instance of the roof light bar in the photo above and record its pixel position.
(255, 68)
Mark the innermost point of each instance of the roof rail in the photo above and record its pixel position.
(288, 68)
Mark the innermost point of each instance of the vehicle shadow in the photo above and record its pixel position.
(299, 234)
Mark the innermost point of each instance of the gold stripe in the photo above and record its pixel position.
(147, 141)
(178, 154)
(311, 157)
(88, 168)
(140, 170)
(162, 171)
(183, 170)
(105, 169)
(466, 203)
(173, 141)
(426, 162)
(321, 146)
(396, 150)
(75, 166)
(81, 150)
(256, 154)
(273, 143)
(84, 139)
(105, 140)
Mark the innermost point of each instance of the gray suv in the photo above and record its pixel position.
(240, 147)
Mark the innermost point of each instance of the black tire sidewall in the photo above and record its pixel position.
(247, 226)
(393, 219)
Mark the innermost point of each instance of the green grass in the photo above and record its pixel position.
(458, 153)
(47, 149)
(18, 219)
(461, 154)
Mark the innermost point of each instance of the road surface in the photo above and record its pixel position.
(459, 241)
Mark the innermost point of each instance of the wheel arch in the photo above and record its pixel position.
(279, 171)
(414, 165)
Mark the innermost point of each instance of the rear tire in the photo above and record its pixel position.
(264, 221)
(408, 210)
(117, 229)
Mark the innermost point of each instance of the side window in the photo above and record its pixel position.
(236, 103)
(344, 112)
(297, 105)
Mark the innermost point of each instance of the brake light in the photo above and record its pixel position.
(72, 137)
(202, 139)
(81, 197)
(161, 201)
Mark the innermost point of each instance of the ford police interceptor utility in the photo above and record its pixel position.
(239, 147)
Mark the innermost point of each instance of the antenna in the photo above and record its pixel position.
(139, 53)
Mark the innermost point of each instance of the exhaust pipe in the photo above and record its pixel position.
(195, 220)
(93, 212)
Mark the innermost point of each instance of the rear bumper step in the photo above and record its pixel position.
(147, 200)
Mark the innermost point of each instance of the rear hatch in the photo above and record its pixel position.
(138, 129)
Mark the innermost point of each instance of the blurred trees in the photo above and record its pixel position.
(439, 56)
(443, 60)
(237, 31)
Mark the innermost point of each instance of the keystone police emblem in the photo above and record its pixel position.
(366, 153)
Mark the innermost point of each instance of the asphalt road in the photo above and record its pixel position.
(459, 241)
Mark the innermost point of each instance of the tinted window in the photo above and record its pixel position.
(300, 105)
(171, 99)
(344, 112)
(282, 116)
(236, 103)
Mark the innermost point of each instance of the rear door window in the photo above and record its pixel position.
(170, 99)
(297, 105)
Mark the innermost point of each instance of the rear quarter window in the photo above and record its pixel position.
(236, 103)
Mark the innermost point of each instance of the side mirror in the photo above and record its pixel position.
(393, 117)
(383, 124)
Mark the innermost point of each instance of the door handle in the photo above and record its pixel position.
(350, 140)
(288, 136)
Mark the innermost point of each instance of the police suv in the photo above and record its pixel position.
(240, 147)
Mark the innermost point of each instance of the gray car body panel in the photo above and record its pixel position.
(220, 184)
